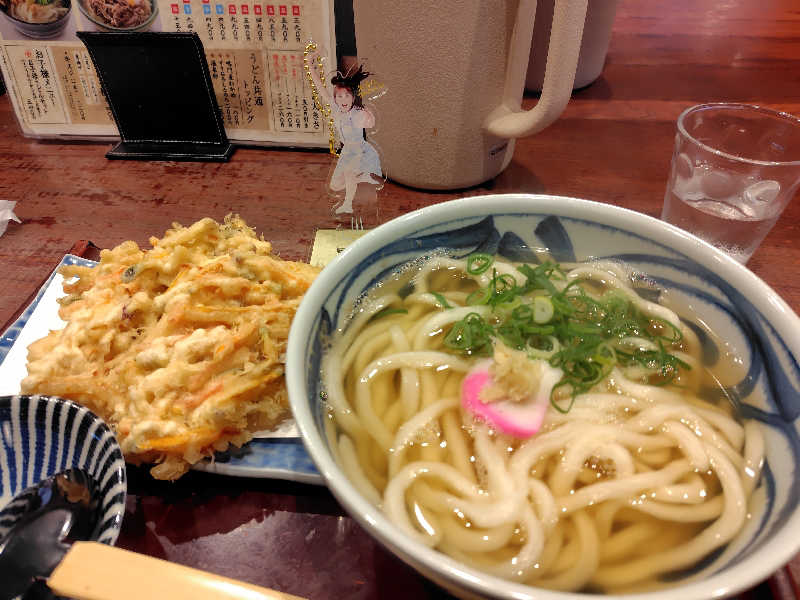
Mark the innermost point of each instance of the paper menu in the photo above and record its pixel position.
(254, 51)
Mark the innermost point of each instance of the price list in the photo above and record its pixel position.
(255, 57)
(37, 83)
(83, 96)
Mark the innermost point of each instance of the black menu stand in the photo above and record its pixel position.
(160, 93)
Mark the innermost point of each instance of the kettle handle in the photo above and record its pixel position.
(507, 120)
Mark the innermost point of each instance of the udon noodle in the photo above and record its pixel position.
(633, 475)
(38, 12)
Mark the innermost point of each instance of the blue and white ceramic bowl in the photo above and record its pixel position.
(743, 309)
(43, 435)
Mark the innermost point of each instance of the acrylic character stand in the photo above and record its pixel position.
(356, 175)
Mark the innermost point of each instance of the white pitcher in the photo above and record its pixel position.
(454, 73)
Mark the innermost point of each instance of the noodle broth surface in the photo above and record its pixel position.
(640, 475)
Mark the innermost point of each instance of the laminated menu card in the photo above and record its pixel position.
(254, 50)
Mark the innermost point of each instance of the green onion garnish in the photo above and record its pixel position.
(578, 333)
(478, 263)
(441, 299)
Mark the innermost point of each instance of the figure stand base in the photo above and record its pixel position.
(171, 151)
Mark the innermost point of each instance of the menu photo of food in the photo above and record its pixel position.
(118, 15)
(54, 20)
(37, 19)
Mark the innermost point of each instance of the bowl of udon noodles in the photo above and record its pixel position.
(529, 396)
(37, 19)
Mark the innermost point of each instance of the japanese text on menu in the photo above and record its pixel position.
(255, 58)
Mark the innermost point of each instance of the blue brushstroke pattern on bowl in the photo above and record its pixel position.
(743, 309)
(44, 435)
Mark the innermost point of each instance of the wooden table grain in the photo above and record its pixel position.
(612, 144)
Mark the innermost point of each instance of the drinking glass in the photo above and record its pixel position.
(734, 169)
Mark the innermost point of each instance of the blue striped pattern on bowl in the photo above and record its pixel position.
(43, 435)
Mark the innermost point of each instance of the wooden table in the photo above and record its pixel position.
(612, 144)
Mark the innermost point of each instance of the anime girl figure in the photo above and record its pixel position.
(358, 160)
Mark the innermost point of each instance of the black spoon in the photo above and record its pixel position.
(42, 522)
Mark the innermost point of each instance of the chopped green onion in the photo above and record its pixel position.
(441, 299)
(479, 297)
(543, 310)
(471, 336)
(575, 331)
(479, 262)
(543, 347)
(522, 313)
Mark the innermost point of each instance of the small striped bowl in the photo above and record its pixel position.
(43, 435)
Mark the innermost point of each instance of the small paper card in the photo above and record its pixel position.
(330, 242)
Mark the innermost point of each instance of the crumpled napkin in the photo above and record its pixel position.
(7, 214)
